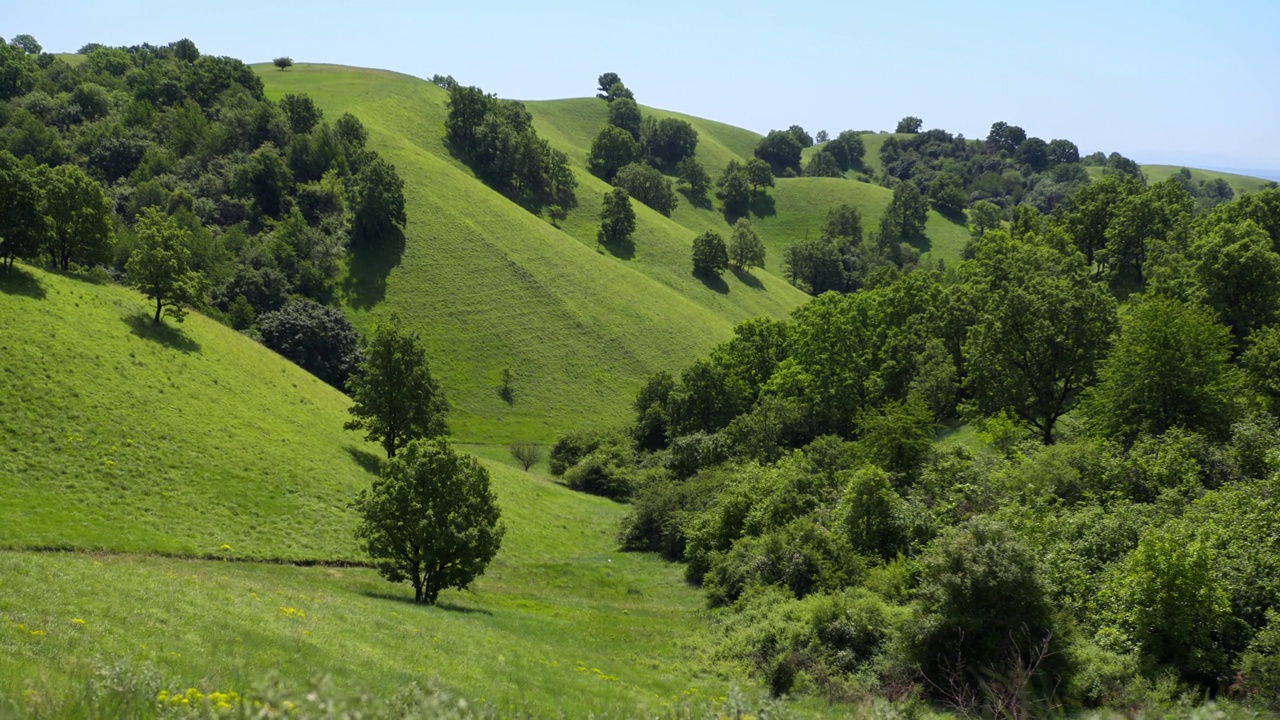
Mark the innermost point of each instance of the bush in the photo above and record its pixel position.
(607, 471)
(690, 453)
(658, 509)
(646, 184)
(569, 449)
(802, 557)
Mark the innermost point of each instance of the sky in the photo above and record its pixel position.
(1184, 83)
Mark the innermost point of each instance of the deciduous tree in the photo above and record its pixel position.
(745, 247)
(710, 257)
(612, 149)
(395, 400)
(159, 265)
(431, 519)
(79, 215)
(617, 218)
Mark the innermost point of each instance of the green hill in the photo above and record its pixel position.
(492, 287)
(1239, 183)
(193, 441)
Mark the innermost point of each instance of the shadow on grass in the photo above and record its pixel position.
(623, 250)
(366, 281)
(442, 605)
(143, 327)
(763, 204)
(746, 278)
(714, 282)
(16, 281)
(920, 242)
(507, 394)
(370, 462)
(702, 202)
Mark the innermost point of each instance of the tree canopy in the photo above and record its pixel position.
(395, 399)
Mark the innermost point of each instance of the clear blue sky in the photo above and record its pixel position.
(1192, 83)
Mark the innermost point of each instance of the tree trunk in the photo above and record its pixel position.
(158, 307)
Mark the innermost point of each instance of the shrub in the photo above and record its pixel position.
(690, 453)
(570, 448)
(658, 509)
(803, 557)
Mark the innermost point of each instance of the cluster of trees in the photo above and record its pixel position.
(1007, 168)
(497, 138)
(1117, 527)
(636, 152)
(712, 256)
(138, 148)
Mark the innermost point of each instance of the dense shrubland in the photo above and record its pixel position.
(1113, 537)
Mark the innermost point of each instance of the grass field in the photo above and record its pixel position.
(491, 287)
(130, 442)
(1155, 173)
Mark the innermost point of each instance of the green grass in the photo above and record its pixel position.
(1239, 183)
(490, 286)
(118, 437)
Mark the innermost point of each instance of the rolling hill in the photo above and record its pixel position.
(162, 463)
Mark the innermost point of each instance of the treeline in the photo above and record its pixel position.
(253, 204)
(1112, 541)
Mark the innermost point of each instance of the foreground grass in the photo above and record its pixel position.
(579, 634)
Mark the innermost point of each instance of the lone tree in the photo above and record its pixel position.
(283, 63)
(909, 124)
(431, 519)
(526, 453)
(617, 218)
(745, 247)
(159, 265)
(605, 82)
(395, 399)
(710, 257)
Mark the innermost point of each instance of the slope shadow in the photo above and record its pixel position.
(622, 249)
(368, 268)
(714, 282)
(746, 278)
(442, 605)
(16, 281)
(920, 242)
(701, 202)
(369, 462)
(143, 327)
(763, 204)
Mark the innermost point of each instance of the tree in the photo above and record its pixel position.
(909, 125)
(606, 81)
(317, 338)
(625, 114)
(617, 218)
(612, 149)
(847, 149)
(823, 164)
(1169, 367)
(946, 192)
(644, 183)
(710, 257)
(1004, 137)
(821, 137)
(691, 173)
(159, 268)
(395, 400)
(283, 63)
(375, 199)
(265, 179)
(668, 141)
(1038, 336)
(1240, 274)
(1063, 152)
(759, 176)
(27, 43)
(526, 453)
(983, 217)
(302, 113)
(79, 216)
(745, 247)
(906, 215)
(734, 190)
(781, 150)
(814, 266)
(801, 136)
(1087, 214)
(1034, 153)
(18, 71)
(618, 91)
(843, 225)
(22, 227)
(430, 519)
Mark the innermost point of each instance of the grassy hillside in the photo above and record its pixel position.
(1239, 183)
(192, 440)
(492, 287)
